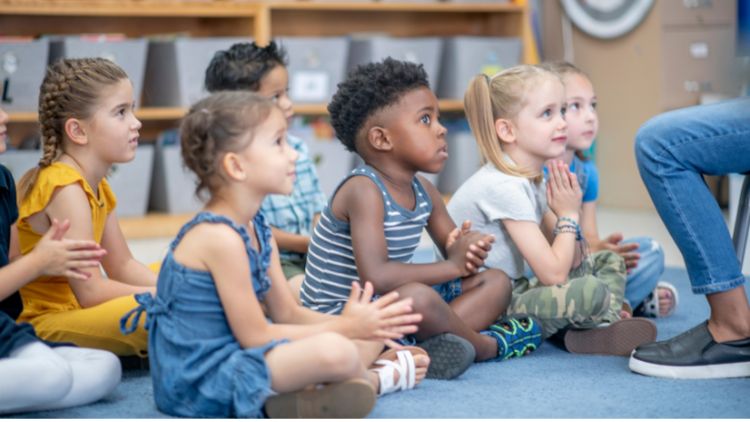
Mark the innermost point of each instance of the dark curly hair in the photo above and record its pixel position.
(243, 66)
(368, 89)
(215, 126)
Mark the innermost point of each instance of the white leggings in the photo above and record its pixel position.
(36, 377)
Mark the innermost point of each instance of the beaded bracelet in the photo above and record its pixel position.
(571, 227)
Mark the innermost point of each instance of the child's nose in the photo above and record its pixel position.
(293, 154)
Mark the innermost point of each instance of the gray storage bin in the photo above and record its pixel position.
(19, 161)
(22, 67)
(129, 54)
(172, 185)
(131, 182)
(316, 66)
(427, 51)
(463, 160)
(176, 69)
(466, 57)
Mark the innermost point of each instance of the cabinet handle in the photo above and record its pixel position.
(697, 86)
(696, 4)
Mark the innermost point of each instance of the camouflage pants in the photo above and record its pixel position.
(593, 294)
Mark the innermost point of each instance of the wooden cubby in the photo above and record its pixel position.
(263, 20)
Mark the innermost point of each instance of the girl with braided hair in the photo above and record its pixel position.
(87, 123)
(63, 376)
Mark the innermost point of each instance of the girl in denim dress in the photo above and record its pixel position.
(213, 352)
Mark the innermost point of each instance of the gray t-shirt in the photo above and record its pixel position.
(490, 196)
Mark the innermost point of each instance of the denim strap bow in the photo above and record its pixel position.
(153, 306)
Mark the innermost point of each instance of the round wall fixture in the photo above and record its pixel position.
(606, 18)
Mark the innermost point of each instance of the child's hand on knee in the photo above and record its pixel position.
(385, 318)
(63, 257)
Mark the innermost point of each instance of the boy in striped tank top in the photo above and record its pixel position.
(386, 113)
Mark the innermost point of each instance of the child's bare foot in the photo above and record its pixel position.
(403, 369)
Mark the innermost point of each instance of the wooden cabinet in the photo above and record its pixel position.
(683, 49)
(262, 20)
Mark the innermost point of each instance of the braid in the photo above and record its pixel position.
(71, 89)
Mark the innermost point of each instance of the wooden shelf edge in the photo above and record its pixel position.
(128, 8)
(396, 6)
(153, 225)
(176, 113)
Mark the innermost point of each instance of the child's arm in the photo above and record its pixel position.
(119, 262)
(283, 309)
(291, 241)
(444, 233)
(611, 242)
(225, 258)
(360, 202)
(550, 263)
(53, 255)
(70, 203)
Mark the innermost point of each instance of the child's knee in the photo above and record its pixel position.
(424, 298)
(497, 282)
(53, 381)
(588, 298)
(339, 355)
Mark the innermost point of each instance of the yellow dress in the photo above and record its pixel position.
(49, 303)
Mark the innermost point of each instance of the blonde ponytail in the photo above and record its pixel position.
(499, 97)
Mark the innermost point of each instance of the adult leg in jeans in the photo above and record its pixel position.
(673, 151)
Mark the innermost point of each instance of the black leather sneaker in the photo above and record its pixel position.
(693, 354)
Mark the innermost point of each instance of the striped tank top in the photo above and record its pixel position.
(330, 267)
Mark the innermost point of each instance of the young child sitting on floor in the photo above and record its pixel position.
(33, 375)
(213, 352)
(645, 294)
(246, 66)
(86, 113)
(386, 113)
(517, 117)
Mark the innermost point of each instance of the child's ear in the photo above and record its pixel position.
(377, 136)
(505, 130)
(76, 131)
(232, 166)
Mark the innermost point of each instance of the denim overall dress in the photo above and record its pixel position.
(198, 368)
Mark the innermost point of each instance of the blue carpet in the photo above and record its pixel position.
(550, 383)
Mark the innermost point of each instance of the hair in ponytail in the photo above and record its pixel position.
(499, 97)
(221, 123)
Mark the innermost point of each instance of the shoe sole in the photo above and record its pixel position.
(348, 399)
(727, 370)
(619, 338)
(450, 356)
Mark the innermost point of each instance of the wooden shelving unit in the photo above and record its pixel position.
(263, 20)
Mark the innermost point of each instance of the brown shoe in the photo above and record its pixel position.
(618, 338)
(349, 399)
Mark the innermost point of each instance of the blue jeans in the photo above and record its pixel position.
(673, 151)
(642, 280)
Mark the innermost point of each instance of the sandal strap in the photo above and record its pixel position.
(406, 369)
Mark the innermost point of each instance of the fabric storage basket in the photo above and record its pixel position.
(176, 69)
(22, 67)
